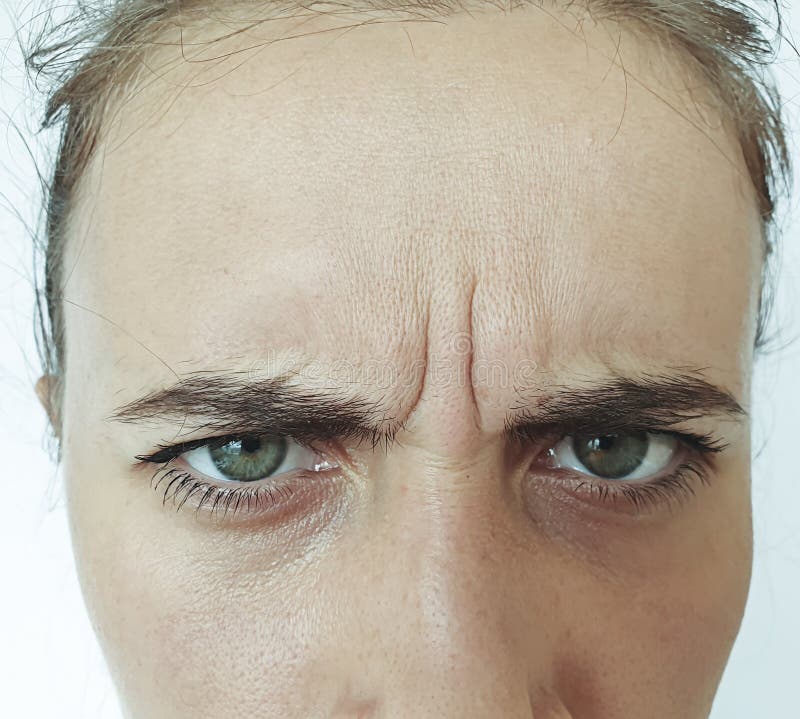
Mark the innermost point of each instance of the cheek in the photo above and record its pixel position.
(193, 622)
(208, 624)
(657, 613)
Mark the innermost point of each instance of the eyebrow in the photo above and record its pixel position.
(647, 401)
(221, 402)
(218, 402)
(233, 404)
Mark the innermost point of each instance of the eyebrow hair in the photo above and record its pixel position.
(223, 402)
(647, 401)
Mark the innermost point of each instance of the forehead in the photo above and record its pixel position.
(351, 193)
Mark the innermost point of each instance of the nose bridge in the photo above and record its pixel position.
(446, 611)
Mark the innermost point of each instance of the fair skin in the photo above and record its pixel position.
(431, 198)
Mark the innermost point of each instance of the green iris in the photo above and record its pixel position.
(249, 458)
(613, 455)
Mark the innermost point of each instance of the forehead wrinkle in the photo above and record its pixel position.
(383, 278)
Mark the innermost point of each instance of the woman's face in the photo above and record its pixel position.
(479, 305)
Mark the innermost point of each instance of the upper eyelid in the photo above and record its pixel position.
(707, 443)
(701, 441)
(170, 451)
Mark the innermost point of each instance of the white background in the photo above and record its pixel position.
(50, 665)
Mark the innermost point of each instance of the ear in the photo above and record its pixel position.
(43, 392)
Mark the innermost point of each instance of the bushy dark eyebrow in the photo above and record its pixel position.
(221, 403)
(229, 404)
(644, 402)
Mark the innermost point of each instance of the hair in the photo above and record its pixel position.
(90, 57)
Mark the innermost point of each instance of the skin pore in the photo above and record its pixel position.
(435, 249)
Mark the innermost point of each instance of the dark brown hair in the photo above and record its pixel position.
(87, 59)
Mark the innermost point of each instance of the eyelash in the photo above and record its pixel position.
(675, 487)
(182, 485)
(217, 499)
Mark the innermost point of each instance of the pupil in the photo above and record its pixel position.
(251, 444)
(611, 456)
(603, 443)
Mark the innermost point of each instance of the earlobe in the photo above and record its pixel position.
(43, 392)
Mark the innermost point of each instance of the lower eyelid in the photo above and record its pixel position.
(630, 498)
(689, 470)
(183, 489)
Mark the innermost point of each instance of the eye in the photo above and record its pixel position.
(253, 474)
(252, 458)
(623, 456)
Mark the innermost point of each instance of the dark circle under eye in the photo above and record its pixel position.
(612, 455)
(249, 458)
